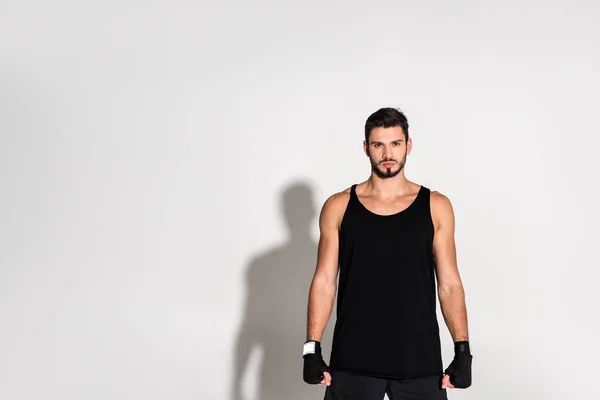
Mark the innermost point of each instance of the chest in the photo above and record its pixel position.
(387, 207)
(405, 231)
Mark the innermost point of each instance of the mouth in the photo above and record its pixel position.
(388, 164)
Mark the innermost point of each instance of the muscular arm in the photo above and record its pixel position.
(450, 289)
(323, 286)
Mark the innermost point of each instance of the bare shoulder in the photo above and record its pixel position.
(334, 208)
(441, 208)
(439, 200)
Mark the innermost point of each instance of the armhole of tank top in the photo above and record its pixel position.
(350, 200)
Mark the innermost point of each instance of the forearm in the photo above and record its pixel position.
(320, 304)
(454, 310)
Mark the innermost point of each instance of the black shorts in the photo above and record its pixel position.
(345, 386)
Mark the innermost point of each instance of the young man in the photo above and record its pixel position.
(390, 239)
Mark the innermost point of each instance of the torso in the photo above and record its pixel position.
(386, 324)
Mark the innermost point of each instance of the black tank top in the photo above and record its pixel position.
(386, 322)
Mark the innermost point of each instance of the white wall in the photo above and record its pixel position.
(152, 155)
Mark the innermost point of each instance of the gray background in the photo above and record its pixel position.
(163, 164)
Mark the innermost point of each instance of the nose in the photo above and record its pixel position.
(386, 152)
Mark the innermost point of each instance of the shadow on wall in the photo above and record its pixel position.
(277, 286)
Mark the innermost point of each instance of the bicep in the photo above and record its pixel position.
(444, 246)
(328, 247)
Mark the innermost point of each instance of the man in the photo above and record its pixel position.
(390, 239)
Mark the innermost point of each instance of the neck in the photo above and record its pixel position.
(398, 185)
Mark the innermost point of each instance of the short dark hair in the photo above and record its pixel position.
(386, 117)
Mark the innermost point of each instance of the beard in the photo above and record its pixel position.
(386, 173)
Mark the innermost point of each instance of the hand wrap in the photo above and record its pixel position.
(314, 365)
(459, 369)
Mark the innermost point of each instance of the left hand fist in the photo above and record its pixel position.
(458, 373)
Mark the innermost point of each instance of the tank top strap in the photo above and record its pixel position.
(424, 195)
(353, 195)
(424, 200)
(353, 201)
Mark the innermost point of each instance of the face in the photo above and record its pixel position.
(387, 150)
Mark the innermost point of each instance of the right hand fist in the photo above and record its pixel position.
(315, 370)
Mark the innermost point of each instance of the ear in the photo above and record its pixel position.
(366, 147)
(409, 145)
